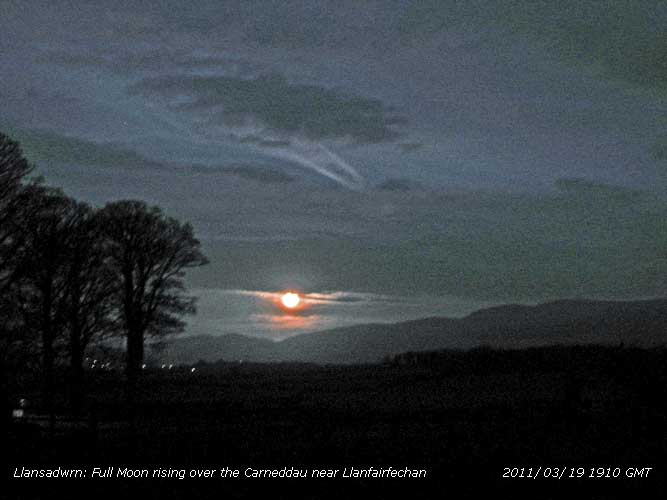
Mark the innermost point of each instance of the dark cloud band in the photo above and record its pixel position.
(295, 109)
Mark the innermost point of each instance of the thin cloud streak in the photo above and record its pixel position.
(330, 298)
(310, 155)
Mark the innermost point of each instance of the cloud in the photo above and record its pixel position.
(578, 186)
(132, 62)
(319, 298)
(584, 241)
(44, 146)
(342, 297)
(659, 149)
(618, 38)
(409, 147)
(254, 312)
(292, 323)
(290, 121)
(259, 174)
(319, 158)
(623, 39)
(398, 185)
(310, 111)
(262, 142)
(483, 83)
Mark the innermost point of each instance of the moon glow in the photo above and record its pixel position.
(290, 300)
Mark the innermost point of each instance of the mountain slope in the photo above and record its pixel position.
(641, 323)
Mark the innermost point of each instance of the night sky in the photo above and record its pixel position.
(388, 159)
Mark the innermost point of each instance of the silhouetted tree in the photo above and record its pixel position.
(50, 235)
(13, 170)
(18, 204)
(89, 296)
(149, 253)
(17, 344)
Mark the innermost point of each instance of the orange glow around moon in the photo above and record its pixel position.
(290, 300)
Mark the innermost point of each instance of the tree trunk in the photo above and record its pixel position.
(6, 408)
(135, 358)
(48, 355)
(76, 392)
(48, 374)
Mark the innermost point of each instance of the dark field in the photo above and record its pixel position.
(462, 417)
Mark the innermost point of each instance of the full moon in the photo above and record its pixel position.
(290, 300)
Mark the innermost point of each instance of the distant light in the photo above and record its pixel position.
(193, 370)
(143, 367)
(163, 366)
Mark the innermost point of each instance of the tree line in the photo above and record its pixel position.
(72, 275)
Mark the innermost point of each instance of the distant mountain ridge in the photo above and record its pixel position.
(641, 323)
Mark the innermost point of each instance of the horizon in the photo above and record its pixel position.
(638, 324)
(508, 305)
